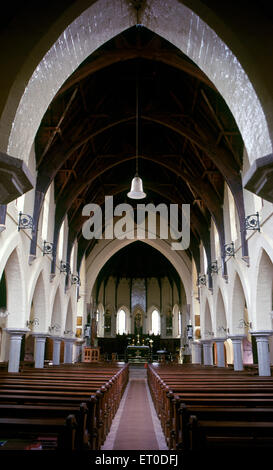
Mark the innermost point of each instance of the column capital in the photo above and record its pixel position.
(79, 341)
(36, 334)
(206, 341)
(236, 337)
(220, 339)
(17, 331)
(196, 343)
(56, 338)
(69, 339)
(262, 333)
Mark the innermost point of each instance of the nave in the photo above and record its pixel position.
(94, 93)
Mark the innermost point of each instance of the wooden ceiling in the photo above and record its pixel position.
(189, 144)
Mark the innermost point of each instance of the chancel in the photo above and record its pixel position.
(160, 338)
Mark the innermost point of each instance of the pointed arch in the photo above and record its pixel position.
(172, 20)
(264, 291)
(57, 317)
(238, 307)
(156, 324)
(15, 284)
(69, 318)
(38, 313)
(221, 318)
(123, 320)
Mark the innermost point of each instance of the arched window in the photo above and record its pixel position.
(155, 322)
(179, 324)
(121, 322)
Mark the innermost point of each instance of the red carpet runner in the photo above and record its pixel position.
(135, 430)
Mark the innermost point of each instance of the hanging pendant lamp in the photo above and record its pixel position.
(136, 184)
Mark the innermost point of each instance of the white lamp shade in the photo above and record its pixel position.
(136, 189)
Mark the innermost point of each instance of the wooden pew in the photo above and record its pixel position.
(191, 386)
(101, 393)
(63, 430)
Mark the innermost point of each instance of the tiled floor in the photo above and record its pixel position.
(136, 426)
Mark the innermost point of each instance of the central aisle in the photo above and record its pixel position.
(136, 426)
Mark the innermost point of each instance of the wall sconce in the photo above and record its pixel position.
(48, 248)
(65, 267)
(208, 333)
(34, 322)
(25, 221)
(222, 329)
(244, 324)
(3, 312)
(54, 328)
(201, 280)
(213, 267)
(252, 222)
(229, 249)
(75, 279)
(68, 332)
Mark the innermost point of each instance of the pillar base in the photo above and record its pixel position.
(16, 335)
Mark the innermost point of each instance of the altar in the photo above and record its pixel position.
(137, 354)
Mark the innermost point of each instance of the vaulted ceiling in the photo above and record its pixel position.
(189, 144)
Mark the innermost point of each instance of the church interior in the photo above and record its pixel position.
(113, 338)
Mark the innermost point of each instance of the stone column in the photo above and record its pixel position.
(220, 351)
(56, 349)
(40, 339)
(16, 336)
(237, 351)
(68, 350)
(262, 337)
(207, 352)
(196, 352)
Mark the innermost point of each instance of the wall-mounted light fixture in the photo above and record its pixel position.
(65, 267)
(75, 279)
(213, 267)
(222, 329)
(34, 322)
(229, 249)
(25, 221)
(68, 333)
(48, 248)
(252, 222)
(3, 312)
(244, 324)
(208, 333)
(201, 280)
(54, 328)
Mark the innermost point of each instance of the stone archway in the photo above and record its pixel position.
(101, 22)
(264, 293)
(15, 283)
(105, 249)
